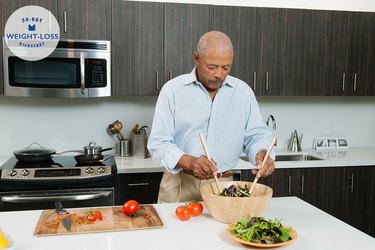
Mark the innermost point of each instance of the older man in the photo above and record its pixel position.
(221, 107)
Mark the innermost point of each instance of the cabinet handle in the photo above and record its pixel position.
(139, 184)
(355, 82)
(254, 81)
(267, 81)
(302, 183)
(351, 187)
(289, 185)
(65, 26)
(157, 80)
(170, 74)
(343, 82)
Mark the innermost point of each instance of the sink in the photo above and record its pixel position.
(297, 157)
(291, 157)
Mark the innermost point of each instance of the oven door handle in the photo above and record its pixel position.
(36, 198)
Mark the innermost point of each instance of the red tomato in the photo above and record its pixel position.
(183, 213)
(94, 215)
(130, 207)
(195, 207)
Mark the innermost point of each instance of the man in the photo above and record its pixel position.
(211, 102)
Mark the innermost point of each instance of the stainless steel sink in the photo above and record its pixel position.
(297, 157)
(291, 157)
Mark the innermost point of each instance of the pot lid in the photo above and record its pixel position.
(34, 149)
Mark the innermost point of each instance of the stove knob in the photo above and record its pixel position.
(89, 170)
(101, 170)
(12, 172)
(24, 172)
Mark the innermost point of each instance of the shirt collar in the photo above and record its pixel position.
(193, 79)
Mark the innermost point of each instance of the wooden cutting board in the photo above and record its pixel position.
(113, 220)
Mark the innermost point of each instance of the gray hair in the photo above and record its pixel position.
(214, 40)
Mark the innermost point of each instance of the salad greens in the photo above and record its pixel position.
(236, 191)
(261, 230)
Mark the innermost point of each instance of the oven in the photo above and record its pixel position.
(38, 185)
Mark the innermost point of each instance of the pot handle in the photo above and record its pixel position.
(76, 151)
(106, 149)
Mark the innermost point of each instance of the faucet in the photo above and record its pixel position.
(295, 142)
(270, 117)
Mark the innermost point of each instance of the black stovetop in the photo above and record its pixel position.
(56, 162)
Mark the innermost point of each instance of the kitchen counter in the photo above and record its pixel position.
(359, 156)
(316, 230)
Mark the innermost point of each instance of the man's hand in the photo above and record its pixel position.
(267, 169)
(200, 166)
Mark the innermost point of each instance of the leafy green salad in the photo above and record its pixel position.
(261, 230)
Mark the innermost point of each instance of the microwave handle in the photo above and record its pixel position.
(82, 62)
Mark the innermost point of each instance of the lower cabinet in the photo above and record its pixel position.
(344, 192)
(142, 187)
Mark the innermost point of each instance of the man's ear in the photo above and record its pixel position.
(196, 56)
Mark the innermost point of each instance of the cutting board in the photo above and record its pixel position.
(113, 220)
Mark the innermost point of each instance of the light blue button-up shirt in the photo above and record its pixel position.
(231, 123)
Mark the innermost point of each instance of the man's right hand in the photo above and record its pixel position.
(200, 167)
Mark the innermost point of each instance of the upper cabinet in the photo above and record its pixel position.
(137, 47)
(154, 42)
(184, 24)
(85, 19)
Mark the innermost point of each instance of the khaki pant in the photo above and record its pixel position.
(182, 187)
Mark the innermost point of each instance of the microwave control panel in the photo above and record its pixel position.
(96, 73)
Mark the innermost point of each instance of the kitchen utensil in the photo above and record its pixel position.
(113, 220)
(117, 125)
(92, 149)
(125, 148)
(63, 215)
(133, 131)
(139, 143)
(34, 152)
(264, 161)
(113, 131)
(209, 158)
(232, 209)
(91, 159)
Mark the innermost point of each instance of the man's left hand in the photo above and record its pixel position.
(267, 169)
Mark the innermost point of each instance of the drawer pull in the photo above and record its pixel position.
(139, 184)
(289, 185)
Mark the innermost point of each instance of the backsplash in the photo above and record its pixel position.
(65, 124)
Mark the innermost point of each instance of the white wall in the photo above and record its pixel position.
(65, 124)
(72, 123)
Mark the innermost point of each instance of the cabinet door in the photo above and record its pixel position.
(137, 47)
(361, 76)
(184, 24)
(7, 7)
(241, 25)
(142, 187)
(85, 19)
(357, 197)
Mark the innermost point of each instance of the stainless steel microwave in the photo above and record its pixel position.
(75, 69)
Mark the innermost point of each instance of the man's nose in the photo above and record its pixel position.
(218, 73)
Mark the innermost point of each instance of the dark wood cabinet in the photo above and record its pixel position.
(344, 192)
(184, 24)
(137, 47)
(142, 187)
(154, 42)
(85, 19)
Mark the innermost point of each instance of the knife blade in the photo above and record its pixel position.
(63, 215)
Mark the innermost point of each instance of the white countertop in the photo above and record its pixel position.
(316, 230)
(359, 156)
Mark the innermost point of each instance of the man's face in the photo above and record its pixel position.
(212, 68)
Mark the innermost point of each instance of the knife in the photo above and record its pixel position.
(64, 215)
